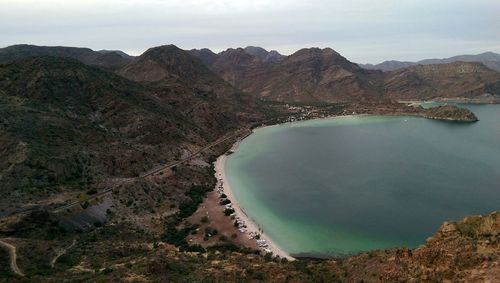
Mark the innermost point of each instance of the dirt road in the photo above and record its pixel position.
(11, 249)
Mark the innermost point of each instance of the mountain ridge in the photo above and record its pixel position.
(306, 76)
(489, 59)
(111, 60)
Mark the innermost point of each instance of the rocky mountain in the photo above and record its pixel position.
(264, 55)
(166, 63)
(323, 75)
(66, 124)
(171, 66)
(111, 60)
(390, 65)
(315, 75)
(241, 66)
(206, 55)
(308, 75)
(119, 52)
(238, 67)
(459, 79)
(489, 59)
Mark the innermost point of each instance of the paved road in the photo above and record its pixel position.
(11, 249)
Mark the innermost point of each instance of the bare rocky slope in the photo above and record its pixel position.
(459, 79)
(489, 59)
(67, 125)
(323, 75)
(111, 60)
(306, 76)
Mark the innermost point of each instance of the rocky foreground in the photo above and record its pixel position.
(463, 251)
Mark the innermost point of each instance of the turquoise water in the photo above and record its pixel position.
(340, 186)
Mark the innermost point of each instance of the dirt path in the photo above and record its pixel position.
(156, 170)
(191, 156)
(60, 253)
(13, 257)
(153, 171)
(212, 211)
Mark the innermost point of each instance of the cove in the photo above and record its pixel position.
(340, 186)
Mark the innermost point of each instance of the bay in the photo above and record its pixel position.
(339, 186)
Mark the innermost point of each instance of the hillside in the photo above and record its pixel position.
(390, 65)
(489, 59)
(68, 125)
(316, 75)
(309, 75)
(323, 75)
(264, 55)
(165, 63)
(459, 79)
(111, 60)
(462, 251)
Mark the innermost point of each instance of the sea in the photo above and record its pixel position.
(340, 186)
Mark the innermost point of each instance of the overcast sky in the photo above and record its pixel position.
(362, 30)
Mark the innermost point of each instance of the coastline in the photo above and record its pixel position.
(223, 182)
(252, 226)
(224, 187)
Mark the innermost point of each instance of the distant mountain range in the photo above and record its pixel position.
(308, 75)
(111, 60)
(323, 75)
(489, 59)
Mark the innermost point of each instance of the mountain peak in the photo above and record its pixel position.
(490, 59)
(263, 54)
(165, 62)
(206, 55)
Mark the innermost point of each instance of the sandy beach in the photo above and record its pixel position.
(251, 225)
(223, 182)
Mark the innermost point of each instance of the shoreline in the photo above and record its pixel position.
(223, 184)
(233, 148)
(252, 226)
